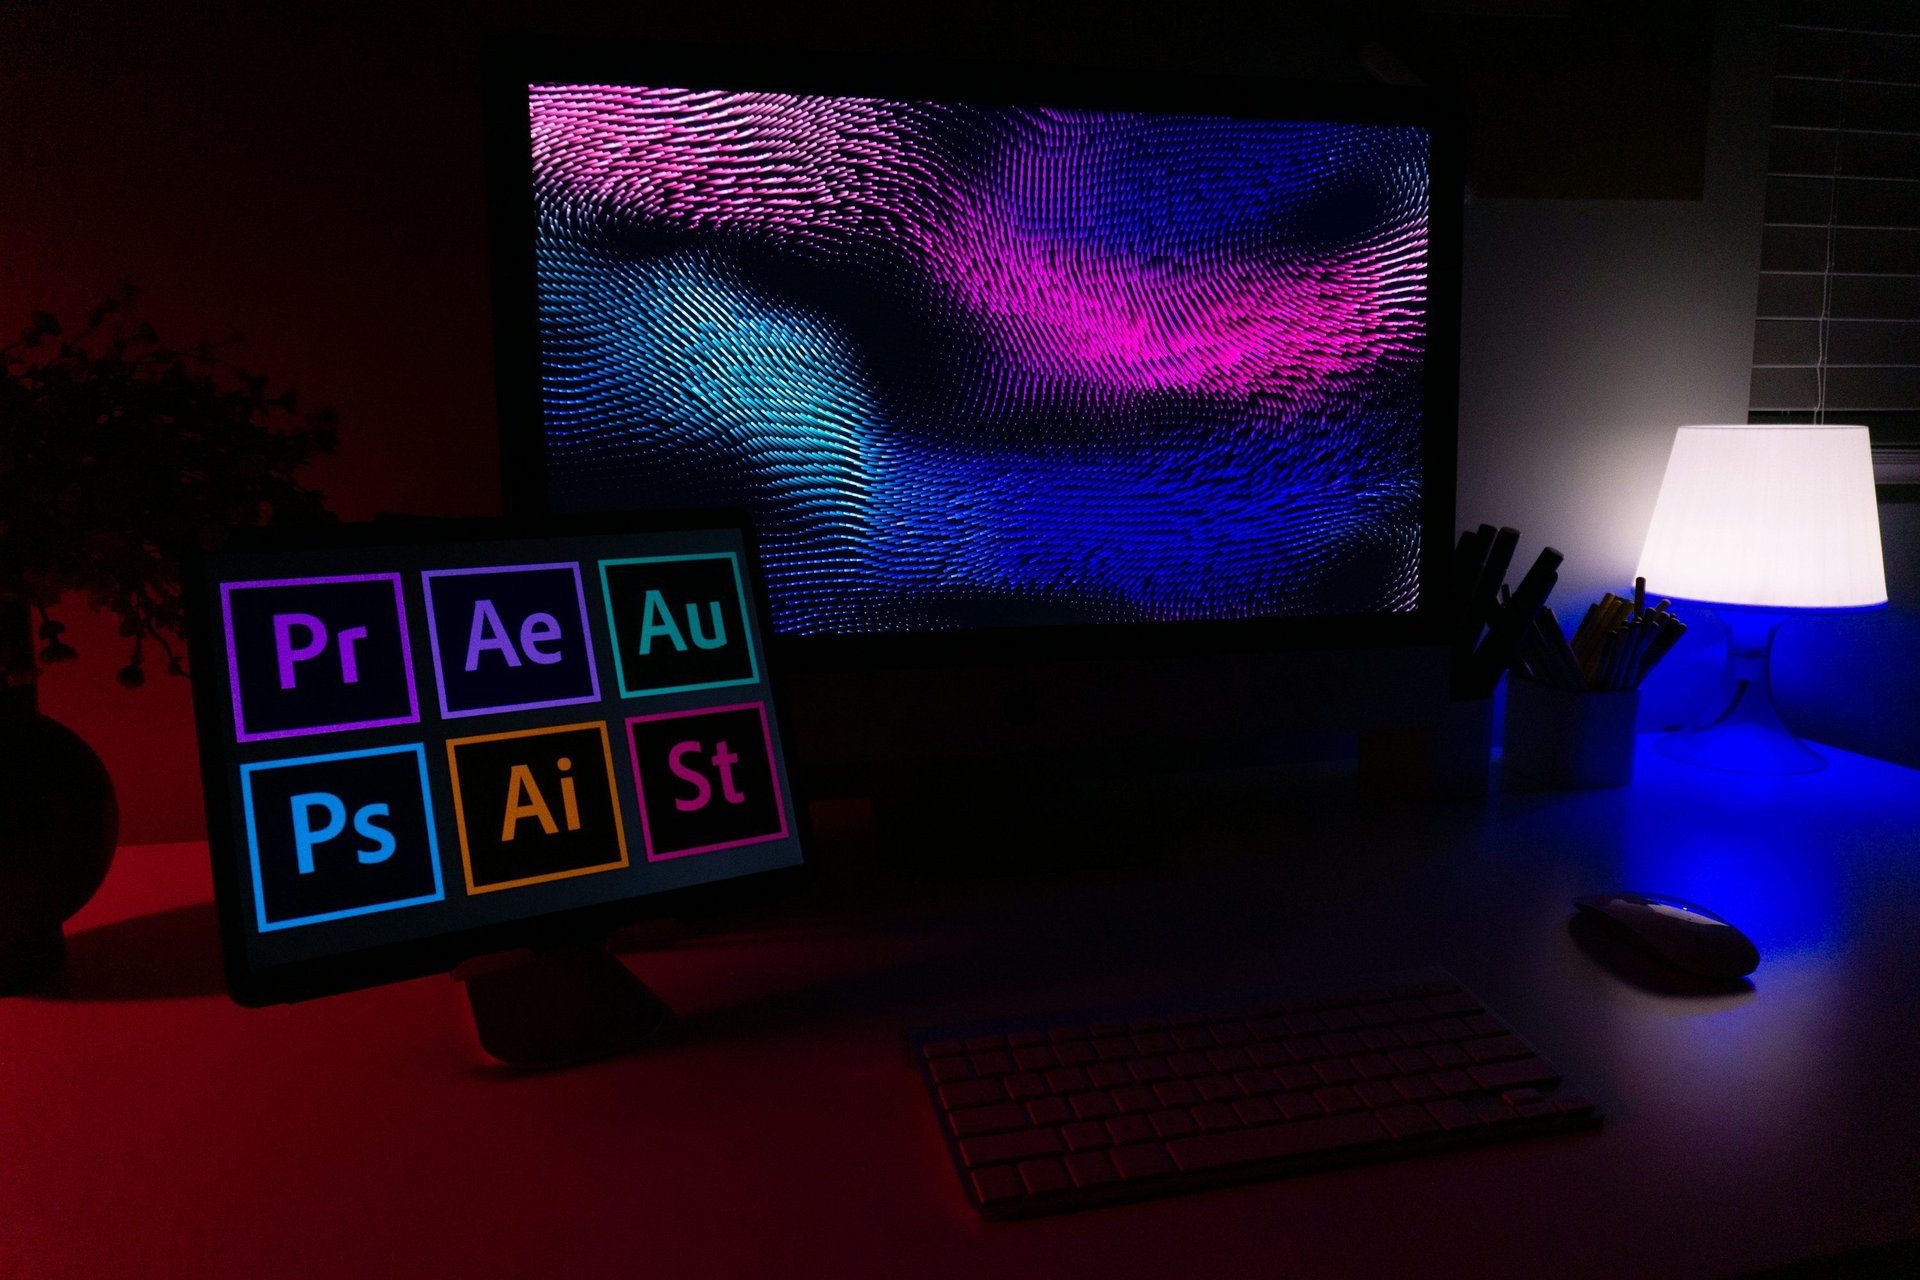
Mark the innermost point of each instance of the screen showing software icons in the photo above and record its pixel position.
(424, 738)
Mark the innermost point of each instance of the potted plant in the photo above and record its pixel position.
(117, 453)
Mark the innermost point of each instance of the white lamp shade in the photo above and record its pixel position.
(1780, 517)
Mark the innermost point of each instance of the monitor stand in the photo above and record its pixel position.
(551, 1008)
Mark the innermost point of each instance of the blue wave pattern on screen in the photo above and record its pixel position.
(991, 366)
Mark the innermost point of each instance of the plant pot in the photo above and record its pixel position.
(58, 825)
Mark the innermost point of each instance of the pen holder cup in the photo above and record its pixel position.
(1570, 740)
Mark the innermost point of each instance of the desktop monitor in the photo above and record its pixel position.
(1071, 406)
(423, 744)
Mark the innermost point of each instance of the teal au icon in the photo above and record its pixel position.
(679, 623)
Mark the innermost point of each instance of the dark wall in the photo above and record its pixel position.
(310, 176)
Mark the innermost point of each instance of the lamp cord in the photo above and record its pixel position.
(1826, 274)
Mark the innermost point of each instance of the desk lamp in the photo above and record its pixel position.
(1761, 523)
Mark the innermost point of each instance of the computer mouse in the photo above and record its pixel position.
(1684, 935)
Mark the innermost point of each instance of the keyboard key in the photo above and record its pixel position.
(1255, 1081)
(1270, 1029)
(1339, 1019)
(982, 1044)
(1025, 1039)
(1148, 1070)
(1068, 1080)
(1044, 1177)
(1274, 1142)
(1196, 1037)
(1109, 1075)
(1410, 1009)
(1049, 1111)
(1172, 1124)
(996, 1063)
(1406, 1120)
(1373, 1066)
(1256, 1111)
(1091, 1169)
(1415, 1034)
(1451, 1114)
(1453, 1083)
(1448, 1055)
(998, 1184)
(1215, 1088)
(1188, 1065)
(1298, 1106)
(1374, 1015)
(1143, 1161)
(1003, 1148)
(1334, 1071)
(1305, 1024)
(971, 1093)
(1297, 1076)
(1416, 1088)
(1024, 1086)
(944, 1070)
(1061, 1034)
(1091, 1106)
(1101, 1030)
(1229, 1060)
(1380, 1038)
(1377, 1093)
(1073, 1053)
(1496, 1049)
(1175, 1093)
(1485, 1024)
(1128, 1129)
(1501, 1075)
(1133, 1099)
(1035, 1059)
(1407, 1061)
(1496, 1113)
(1449, 1029)
(1113, 1048)
(1214, 1116)
(1231, 1033)
(1304, 1048)
(1083, 1135)
(1267, 1054)
(1154, 1043)
(1342, 1044)
(1337, 1099)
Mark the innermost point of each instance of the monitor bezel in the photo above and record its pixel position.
(515, 64)
(255, 986)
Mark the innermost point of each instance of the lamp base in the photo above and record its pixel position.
(1749, 736)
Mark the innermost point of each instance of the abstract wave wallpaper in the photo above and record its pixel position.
(979, 366)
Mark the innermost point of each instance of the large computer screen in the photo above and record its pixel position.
(996, 353)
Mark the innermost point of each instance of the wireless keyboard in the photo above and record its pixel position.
(1049, 1114)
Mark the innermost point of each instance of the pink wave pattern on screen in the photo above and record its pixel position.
(1035, 245)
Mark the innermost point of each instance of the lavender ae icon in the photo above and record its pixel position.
(679, 623)
(509, 638)
(317, 655)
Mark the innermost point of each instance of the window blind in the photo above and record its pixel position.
(1837, 336)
